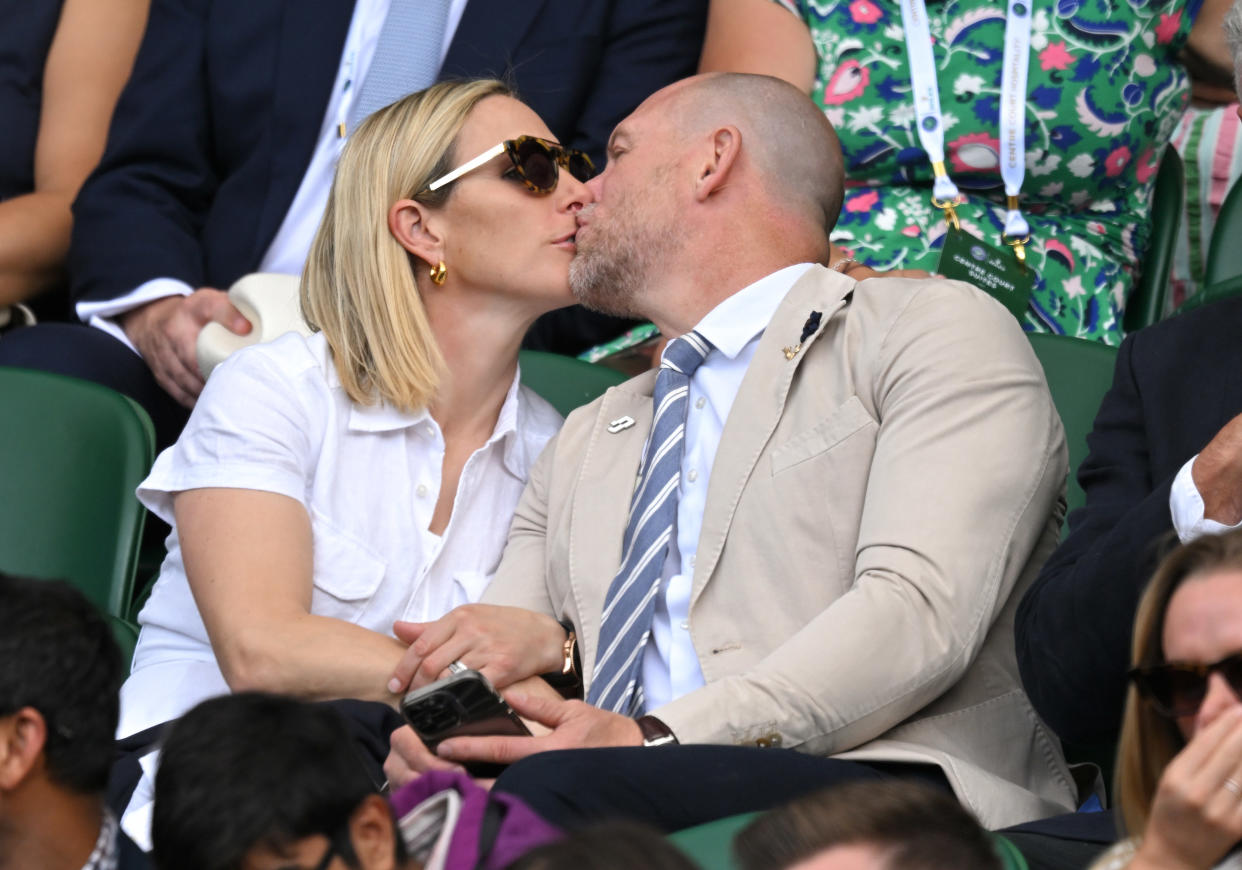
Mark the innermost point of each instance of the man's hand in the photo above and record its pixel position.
(505, 644)
(165, 332)
(574, 724)
(1217, 473)
(408, 758)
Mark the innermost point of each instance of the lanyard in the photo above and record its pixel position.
(926, 92)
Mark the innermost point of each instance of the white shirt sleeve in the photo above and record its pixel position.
(1186, 506)
(102, 314)
(252, 428)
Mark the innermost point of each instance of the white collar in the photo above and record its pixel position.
(735, 322)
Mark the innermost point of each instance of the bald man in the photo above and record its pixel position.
(804, 570)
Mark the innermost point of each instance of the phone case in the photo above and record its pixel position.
(462, 704)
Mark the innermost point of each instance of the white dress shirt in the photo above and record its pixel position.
(274, 417)
(288, 250)
(1186, 506)
(734, 327)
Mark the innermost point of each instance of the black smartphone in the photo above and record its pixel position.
(462, 704)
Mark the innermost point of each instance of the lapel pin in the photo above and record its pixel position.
(808, 329)
(620, 424)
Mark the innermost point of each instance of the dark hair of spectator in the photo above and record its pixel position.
(255, 770)
(58, 656)
(915, 826)
(603, 847)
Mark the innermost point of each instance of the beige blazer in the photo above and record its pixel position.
(878, 503)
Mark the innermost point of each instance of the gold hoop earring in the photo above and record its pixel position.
(438, 273)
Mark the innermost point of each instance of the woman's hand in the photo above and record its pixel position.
(505, 644)
(1196, 816)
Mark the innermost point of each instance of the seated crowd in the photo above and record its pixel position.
(372, 515)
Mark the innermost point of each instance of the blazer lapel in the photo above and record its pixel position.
(602, 494)
(759, 404)
(486, 36)
(312, 37)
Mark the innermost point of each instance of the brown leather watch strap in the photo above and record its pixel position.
(655, 732)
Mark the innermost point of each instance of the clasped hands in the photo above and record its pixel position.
(510, 646)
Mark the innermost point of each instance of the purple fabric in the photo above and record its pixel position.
(520, 828)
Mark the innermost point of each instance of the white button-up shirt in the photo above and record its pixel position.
(275, 418)
(734, 327)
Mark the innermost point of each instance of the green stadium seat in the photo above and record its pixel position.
(71, 455)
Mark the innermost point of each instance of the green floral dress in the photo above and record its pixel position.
(1104, 92)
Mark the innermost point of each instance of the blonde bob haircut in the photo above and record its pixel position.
(1148, 740)
(358, 287)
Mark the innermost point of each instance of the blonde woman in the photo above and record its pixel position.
(328, 486)
(1180, 760)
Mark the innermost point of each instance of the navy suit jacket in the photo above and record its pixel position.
(1176, 385)
(216, 127)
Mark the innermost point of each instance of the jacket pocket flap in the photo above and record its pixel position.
(846, 420)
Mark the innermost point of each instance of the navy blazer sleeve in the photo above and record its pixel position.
(140, 213)
(1073, 626)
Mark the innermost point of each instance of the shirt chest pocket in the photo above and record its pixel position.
(346, 573)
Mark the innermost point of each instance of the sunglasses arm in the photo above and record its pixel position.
(467, 167)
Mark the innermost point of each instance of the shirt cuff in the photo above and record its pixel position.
(102, 314)
(1186, 507)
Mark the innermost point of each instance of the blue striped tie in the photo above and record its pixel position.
(407, 55)
(628, 608)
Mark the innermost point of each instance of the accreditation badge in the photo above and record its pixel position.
(993, 270)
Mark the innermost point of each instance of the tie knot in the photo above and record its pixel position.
(685, 353)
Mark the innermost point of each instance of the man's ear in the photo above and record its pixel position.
(22, 737)
(726, 145)
(414, 227)
(374, 834)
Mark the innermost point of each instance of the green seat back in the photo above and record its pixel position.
(710, 845)
(1225, 289)
(566, 383)
(126, 635)
(1079, 373)
(71, 454)
(1224, 258)
(1146, 303)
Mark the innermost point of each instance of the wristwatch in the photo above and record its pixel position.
(568, 680)
(655, 732)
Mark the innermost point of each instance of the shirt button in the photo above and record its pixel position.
(693, 559)
(422, 490)
(700, 402)
(693, 475)
(430, 430)
(685, 625)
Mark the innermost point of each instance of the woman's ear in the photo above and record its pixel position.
(411, 224)
(713, 175)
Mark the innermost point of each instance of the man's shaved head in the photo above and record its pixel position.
(786, 135)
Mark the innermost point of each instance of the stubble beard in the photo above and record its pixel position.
(621, 259)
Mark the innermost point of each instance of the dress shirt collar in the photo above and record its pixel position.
(518, 454)
(104, 855)
(735, 322)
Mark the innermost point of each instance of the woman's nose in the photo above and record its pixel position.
(1219, 698)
